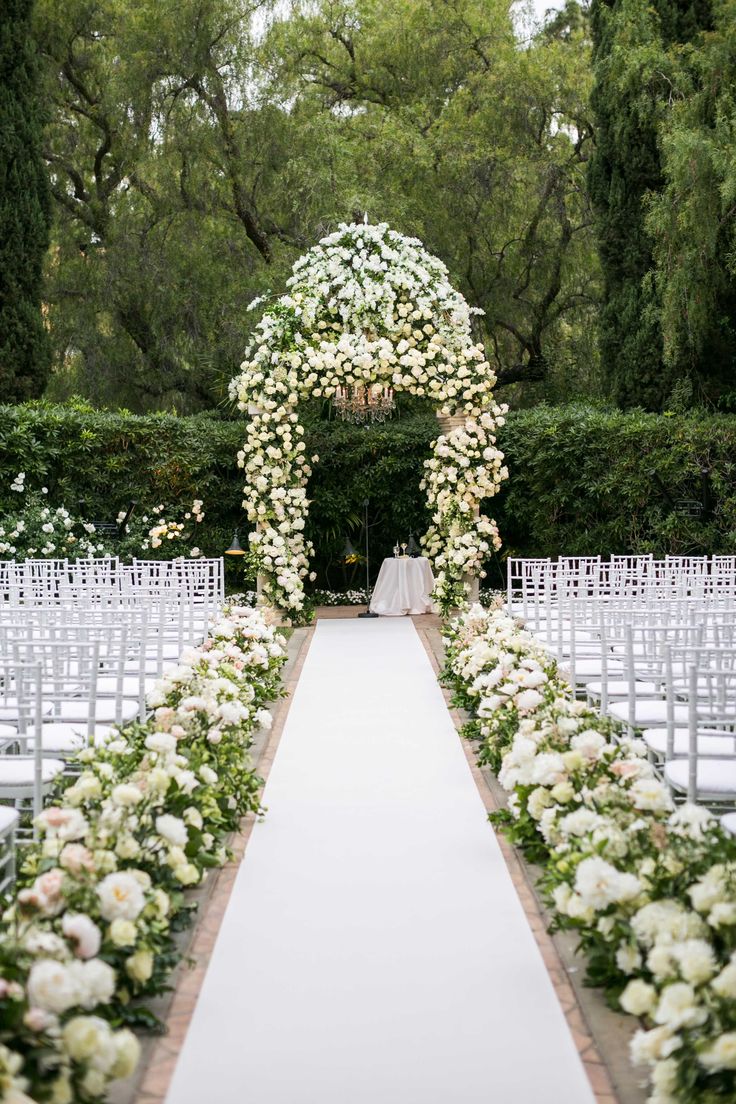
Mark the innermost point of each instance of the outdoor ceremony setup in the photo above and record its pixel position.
(367, 552)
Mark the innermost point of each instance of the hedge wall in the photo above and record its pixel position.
(582, 480)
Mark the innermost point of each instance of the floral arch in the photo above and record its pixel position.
(368, 306)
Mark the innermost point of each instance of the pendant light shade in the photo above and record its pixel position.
(235, 548)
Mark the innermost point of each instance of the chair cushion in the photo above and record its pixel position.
(591, 666)
(729, 823)
(710, 741)
(17, 772)
(9, 711)
(131, 685)
(715, 776)
(65, 737)
(8, 818)
(618, 688)
(104, 711)
(648, 712)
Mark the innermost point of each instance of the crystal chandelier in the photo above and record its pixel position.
(360, 404)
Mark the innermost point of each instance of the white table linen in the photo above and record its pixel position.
(403, 586)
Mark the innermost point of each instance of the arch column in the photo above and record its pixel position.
(448, 422)
(253, 411)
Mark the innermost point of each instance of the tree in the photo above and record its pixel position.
(450, 130)
(24, 210)
(195, 153)
(633, 67)
(692, 220)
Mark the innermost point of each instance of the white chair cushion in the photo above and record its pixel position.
(729, 823)
(131, 685)
(8, 818)
(551, 636)
(648, 713)
(17, 772)
(104, 711)
(710, 741)
(9, 712)
(591, 666)
(619, 688)
(65, 737)
(715, 776)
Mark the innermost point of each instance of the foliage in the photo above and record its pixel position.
(635, 46)
(25, 209)
(692, 220)
(195, 150)
(589, 481)
(584, 480)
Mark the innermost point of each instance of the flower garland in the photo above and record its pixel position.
(90, 934)
(367, 306)
(649, 887)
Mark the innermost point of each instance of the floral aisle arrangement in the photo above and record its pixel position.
(89, 936)
(650, 888)
(38, 530)
(367, 306)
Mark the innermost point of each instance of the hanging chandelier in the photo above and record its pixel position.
(361, 404)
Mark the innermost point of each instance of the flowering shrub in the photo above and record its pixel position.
(39, 531)
(650, 888)
(367, 306)
(90, 934)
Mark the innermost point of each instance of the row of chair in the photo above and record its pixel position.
(652, 644)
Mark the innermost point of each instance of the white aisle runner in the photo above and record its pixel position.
(374, 950)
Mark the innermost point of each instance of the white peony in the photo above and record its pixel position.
(52, 986)
(172, 829)
(120, 895)
(678, 1007)
(638, 998)
(720, 1055)
(599, 884)
(82, 932)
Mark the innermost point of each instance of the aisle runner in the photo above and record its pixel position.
(374, 950)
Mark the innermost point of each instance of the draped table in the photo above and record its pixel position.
(403, 586)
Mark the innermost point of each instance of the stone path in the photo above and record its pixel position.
(374, 947)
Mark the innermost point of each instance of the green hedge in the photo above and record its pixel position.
(582, 480)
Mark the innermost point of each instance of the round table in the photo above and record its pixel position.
(403, 586)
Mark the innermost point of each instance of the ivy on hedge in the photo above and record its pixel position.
(583, 480)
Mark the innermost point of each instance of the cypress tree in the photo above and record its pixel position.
(623, 169)
(24, 209)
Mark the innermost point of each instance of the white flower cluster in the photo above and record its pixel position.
(146, 817)
(164, 530)
(466, 468)
(45, 532)
(365, 306)
(651, 888)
